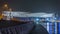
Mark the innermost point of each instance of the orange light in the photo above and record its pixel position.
(5, 5)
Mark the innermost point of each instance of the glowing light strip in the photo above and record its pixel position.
(55, 28)
(48, 27)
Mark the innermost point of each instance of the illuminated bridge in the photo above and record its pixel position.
(26, 16)
(12, 14)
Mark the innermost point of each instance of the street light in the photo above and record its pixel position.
(5, 5)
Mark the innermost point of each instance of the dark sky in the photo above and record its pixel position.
(34, 5)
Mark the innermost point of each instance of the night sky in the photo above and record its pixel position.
(49, 6)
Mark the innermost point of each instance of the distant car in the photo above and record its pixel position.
(21, 27)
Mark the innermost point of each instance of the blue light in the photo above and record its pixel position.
(37, 19)
(55, 18)
(48, 19)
